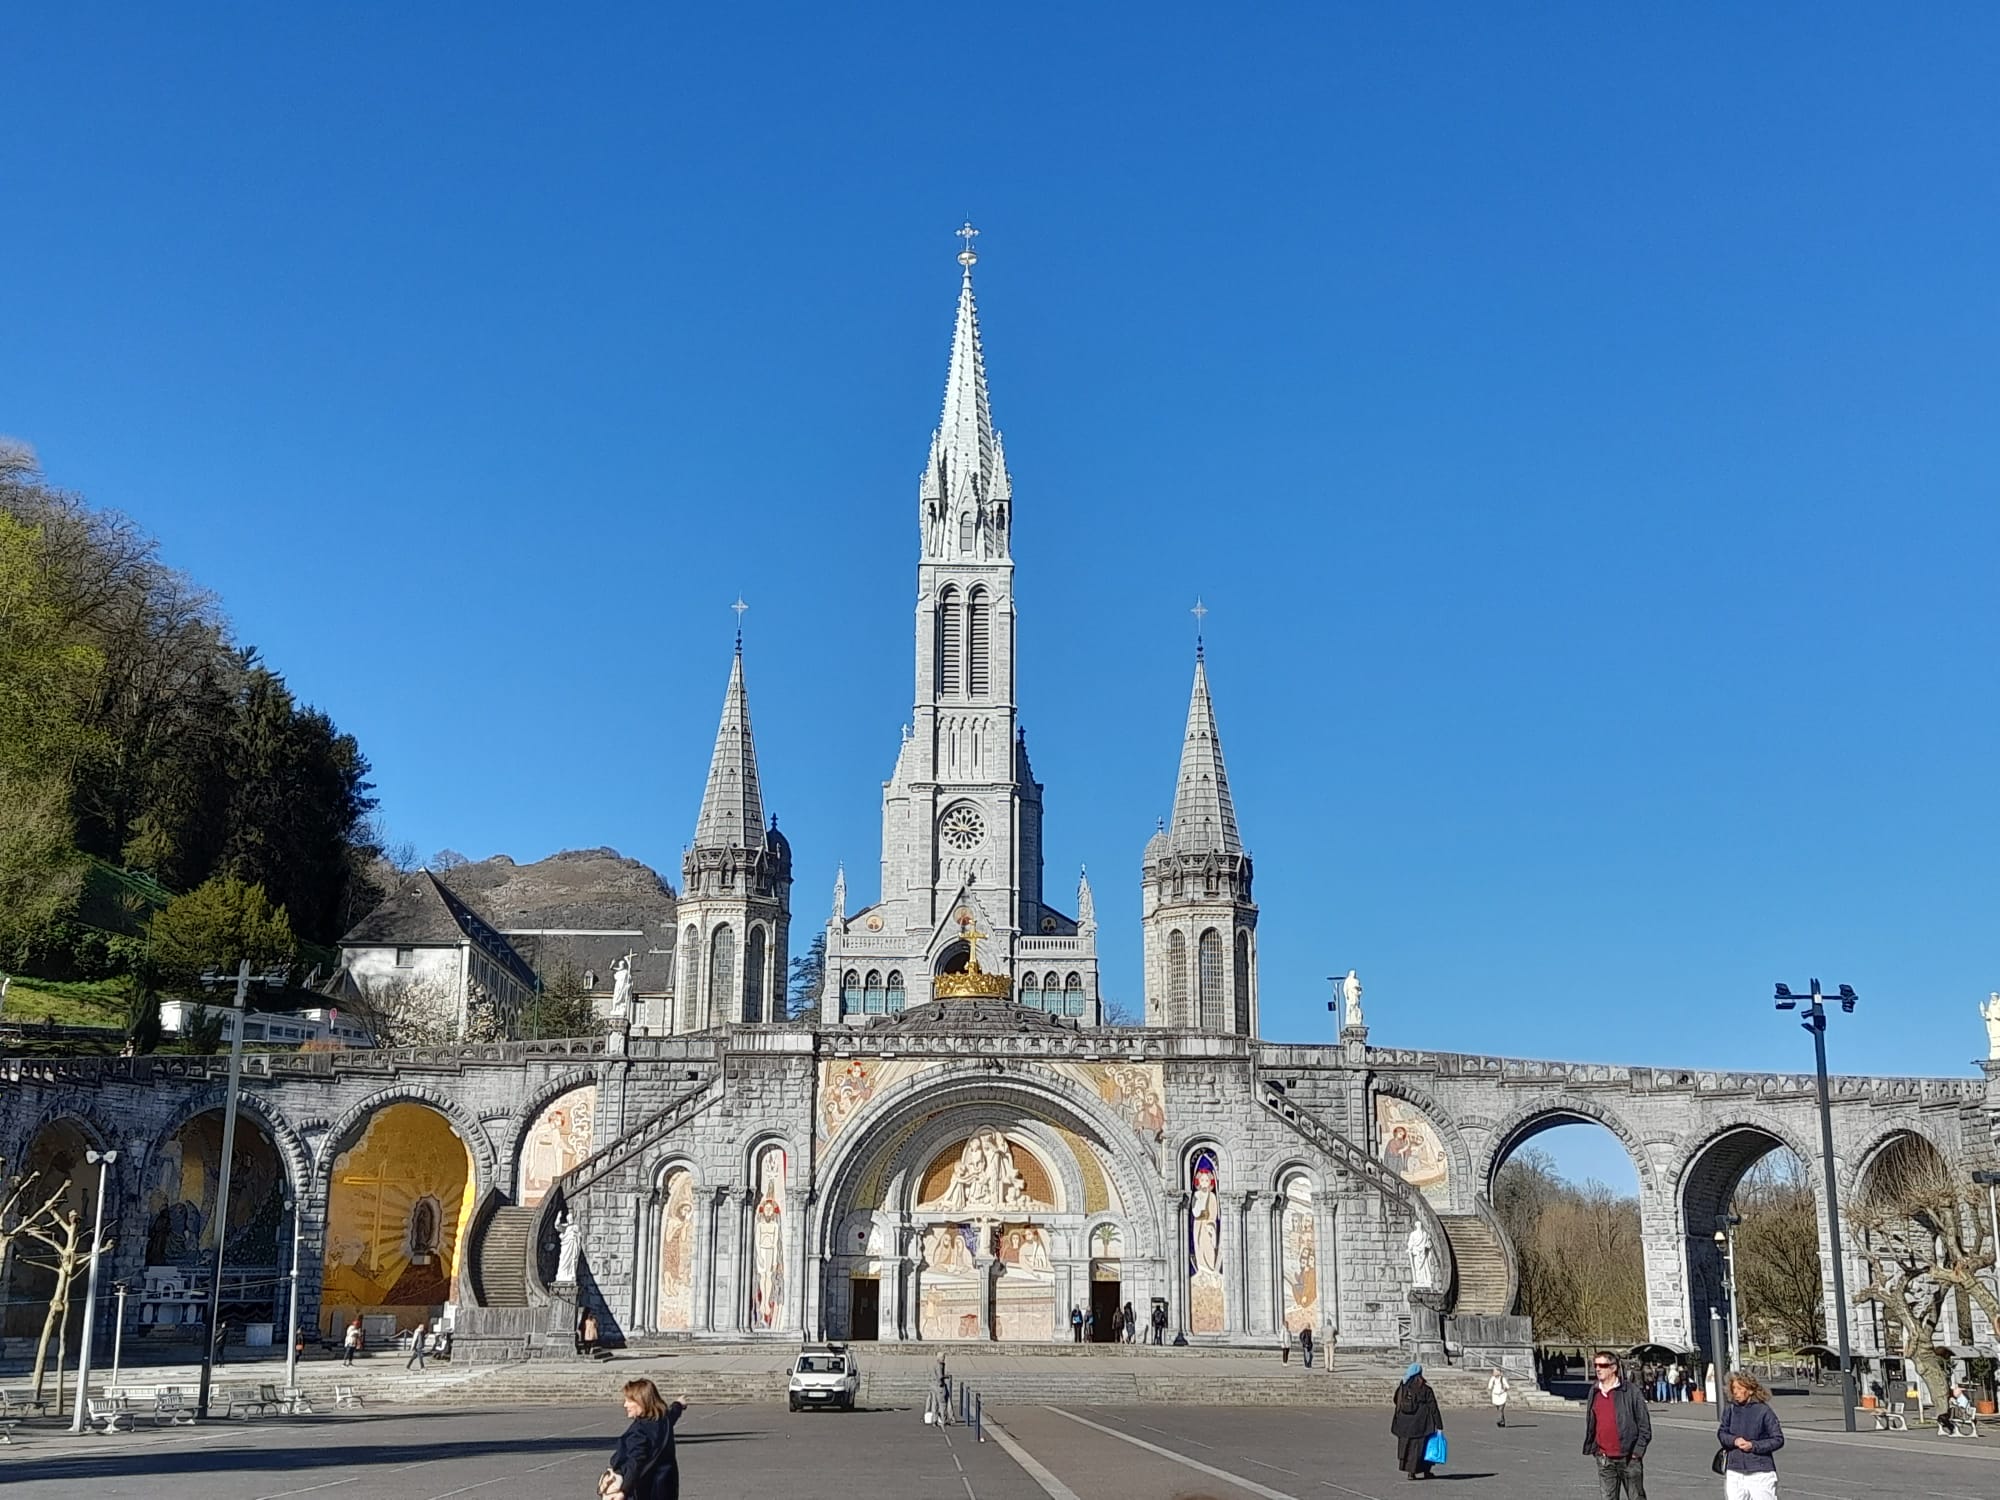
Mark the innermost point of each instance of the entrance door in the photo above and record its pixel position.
(1104, 1305)
(864, 1308)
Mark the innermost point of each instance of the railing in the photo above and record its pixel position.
(649, 1133)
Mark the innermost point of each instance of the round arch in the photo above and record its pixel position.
(1460, 1184)
(353, 1122)
(1559, 1109)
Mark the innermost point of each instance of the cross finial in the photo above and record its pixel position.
(739, 606)
(1200, 613)
(968, 257)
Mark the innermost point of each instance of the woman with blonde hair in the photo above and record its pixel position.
(1749, 1434)
(643, 1466)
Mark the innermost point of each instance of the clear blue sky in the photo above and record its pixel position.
(1580, 421)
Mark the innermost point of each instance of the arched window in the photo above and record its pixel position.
(1031, 992)
(1177, 979)
(721, 972)
(1073, 995)
(1210, 981)
(979, 632)
(873, 1000)
(690, 960)
(1243, 981)
(753, 976)
(895, 991)
(951, 641)
(850, 993)
(966, 526)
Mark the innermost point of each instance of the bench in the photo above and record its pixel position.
(346, 1395)
(242, 1399)
(294, 1401)
(107, 1415)
(171, 1405)
(1895, 1419)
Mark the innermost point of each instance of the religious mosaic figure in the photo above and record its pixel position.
(1205, 1288)
(677, 1253)
(767, 1235)
(423, 1230)
(1298, 1240)
(1410, 1147)
(946, 1252)
(558, 1142)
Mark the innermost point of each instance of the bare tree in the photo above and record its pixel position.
(1924, 1239)
(68, 1243)
(20, 1210)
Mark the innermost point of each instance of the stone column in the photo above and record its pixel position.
(1238, 1280)
(1177, 1255)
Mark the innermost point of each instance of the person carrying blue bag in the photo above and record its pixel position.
(1418, 1425)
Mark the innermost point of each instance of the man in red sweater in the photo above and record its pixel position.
(1616, 1429)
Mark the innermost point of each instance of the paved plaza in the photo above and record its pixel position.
(1033, 1452)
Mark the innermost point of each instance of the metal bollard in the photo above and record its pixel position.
(978, 1422)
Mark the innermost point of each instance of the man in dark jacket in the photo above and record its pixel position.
(1616, 1431)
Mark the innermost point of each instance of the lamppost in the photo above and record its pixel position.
(1725, 1238)
(102, 1160)
(1815, 1022)
(1990, 1181)
(292, 1317)
(222, 1193)
(118, 1336)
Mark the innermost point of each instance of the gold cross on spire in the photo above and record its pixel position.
(968, 257)
(972, 936)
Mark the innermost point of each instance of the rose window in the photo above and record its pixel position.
(962, 830)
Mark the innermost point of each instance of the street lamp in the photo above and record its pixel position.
(102, 1160)
(292, 1320)
(1815, 1022)
(1725, 1239)
(222, 1193)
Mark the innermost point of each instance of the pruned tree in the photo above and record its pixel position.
(23, 1208)
(1923, 1236)
(67, 1242)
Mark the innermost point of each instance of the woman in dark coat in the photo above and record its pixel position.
(1416, 1418)
(644, 1459)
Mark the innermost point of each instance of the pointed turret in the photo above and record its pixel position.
(965, 492)
(1198, 915)
(1204, 819)
(732, 806)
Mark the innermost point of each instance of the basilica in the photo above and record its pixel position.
(954, 1146)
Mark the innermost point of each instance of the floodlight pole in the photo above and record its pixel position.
(103, 1161)
(1815, 1022)
(222, 1193)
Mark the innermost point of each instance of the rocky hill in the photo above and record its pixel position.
(578, 888)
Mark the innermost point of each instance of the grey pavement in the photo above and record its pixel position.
(1037, 1452)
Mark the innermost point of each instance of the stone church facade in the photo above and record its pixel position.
(954, 1148)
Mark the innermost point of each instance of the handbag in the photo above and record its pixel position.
(1720, 1463)
(1436, 1449)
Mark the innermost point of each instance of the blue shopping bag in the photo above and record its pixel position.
(1436, 1449)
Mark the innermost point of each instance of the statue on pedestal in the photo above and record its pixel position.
(1350, 994)
(1990, 1013)
(1426, 1269)
(569, 1242)
(621, 987)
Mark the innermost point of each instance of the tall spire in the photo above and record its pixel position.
(1204, 819)
(966, 474)
(732, 806)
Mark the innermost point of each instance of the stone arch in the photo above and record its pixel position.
(1705, 1176)
(1545, 1114)
(1858, 1172)
(522, 1126)
(291, 1146)
(972, 1083)
(60, 1137)
(553, 1089)
(348, 1128)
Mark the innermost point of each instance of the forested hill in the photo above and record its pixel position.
(144, 751)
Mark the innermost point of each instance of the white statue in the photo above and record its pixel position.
(1990, 1013)
(984, 1176)
(569, 1239)
(621, 986)
(1350, 993)
(1426, 1270)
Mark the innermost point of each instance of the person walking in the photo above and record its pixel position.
(350, 1341)
(590, 1333)
(1617, 1428)
(1306, 1344)
(1749, 1435)
(644, 1465)
(1075, 1324)
(1496, 1392)
(419, 1341)
(1131, 1321)
(1159, 1323)
(1416, 1417)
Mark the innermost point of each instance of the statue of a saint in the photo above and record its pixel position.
(1350, 994)
(621, 986)
(1426, 1270)
(1990, 1013)
(569, 1243)
(1205, 1219)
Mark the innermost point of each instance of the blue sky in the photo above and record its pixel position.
(1580, 422)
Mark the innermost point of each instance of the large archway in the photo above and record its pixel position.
(399, 1202)
(972, 1204)
(55, 1159)
(178, 1209)
(1747, 1189)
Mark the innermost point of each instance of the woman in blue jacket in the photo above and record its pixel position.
(1749, 1435)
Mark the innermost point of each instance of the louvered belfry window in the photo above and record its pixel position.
(951, 642)
(980, 623)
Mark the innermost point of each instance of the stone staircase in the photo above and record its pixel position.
(1483, 1274)
(503, 1256)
